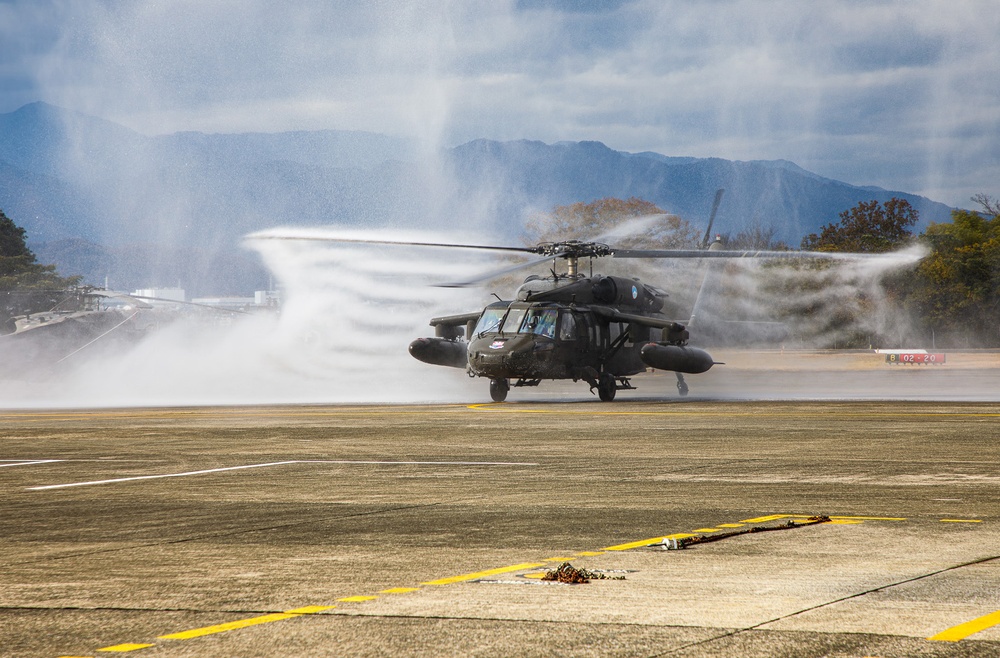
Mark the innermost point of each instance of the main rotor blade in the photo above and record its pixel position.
(482, 278)
(722, 253)
(401, 243)
(711, 217)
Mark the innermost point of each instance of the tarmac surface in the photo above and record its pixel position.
(423, 530)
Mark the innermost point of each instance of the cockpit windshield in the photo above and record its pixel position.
(540, 321)
(490, 320)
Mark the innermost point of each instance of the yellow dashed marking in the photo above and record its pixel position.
(845, 522)
(633, 544)
(765, 519)
(123, 648)
(962, 631)
(483, 574)
(310, 609)
(230, 626)
(244, 623)
(961, 521)
(979, 624)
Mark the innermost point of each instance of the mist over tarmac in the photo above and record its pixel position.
(350, 310)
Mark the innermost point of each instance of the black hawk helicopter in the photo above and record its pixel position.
(593, 328)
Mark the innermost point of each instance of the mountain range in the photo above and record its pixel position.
(101, 200)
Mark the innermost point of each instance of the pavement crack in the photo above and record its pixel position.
(819, 606)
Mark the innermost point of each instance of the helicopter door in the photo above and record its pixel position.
(587, 332)
(567, 326)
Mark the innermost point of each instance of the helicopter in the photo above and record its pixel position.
(595, 328)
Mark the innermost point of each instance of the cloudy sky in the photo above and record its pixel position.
(903, 95)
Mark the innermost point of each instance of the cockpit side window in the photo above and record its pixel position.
(567, 326)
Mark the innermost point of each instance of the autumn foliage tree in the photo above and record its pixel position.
(956, 290)
(868, 227)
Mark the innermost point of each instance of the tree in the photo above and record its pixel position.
(989, 205)
(868, 227)
(19, 269)
(957, 288)
(605, 219)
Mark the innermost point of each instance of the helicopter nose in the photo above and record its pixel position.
(501, 357)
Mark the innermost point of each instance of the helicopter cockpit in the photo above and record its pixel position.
(540, 321)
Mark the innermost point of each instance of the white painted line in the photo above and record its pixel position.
(155, 477)
(25, 462)
(296, 461)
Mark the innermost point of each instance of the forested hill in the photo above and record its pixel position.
(99, 199)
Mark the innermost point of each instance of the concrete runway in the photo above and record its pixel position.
(416, 530)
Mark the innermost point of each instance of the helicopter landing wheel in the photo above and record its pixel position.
(682, 387)
(606, 387)
(499, 389)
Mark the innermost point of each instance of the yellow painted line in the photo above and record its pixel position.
(483, 574)
(123, 648)
(871, 518)
(230, 626)
(845, 522)
(961, 521)
(633, 544)
(310, 609)
(962, 631)
(647, 542)
(400, 590)
(307, 610)
(244, 623)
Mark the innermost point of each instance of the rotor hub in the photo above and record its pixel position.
(573, 249)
